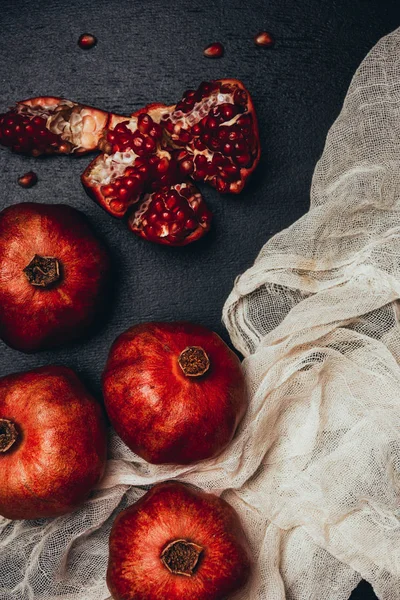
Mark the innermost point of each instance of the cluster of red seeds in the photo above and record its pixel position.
(172, 216)
(148, 171)
(28, 134)
(215, 151)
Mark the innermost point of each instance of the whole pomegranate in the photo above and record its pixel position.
(174, 392)
(177, 543)
(53, 276)
(52, 443)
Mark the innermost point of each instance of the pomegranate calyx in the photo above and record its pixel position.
(8, 434)
(181, 557)
(43, 271)
(194, 361)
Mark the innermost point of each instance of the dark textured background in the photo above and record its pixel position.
(152, 50)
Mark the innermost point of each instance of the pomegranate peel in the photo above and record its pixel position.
(53, 443)
(54, 276)
(174, 392)
(177, 543)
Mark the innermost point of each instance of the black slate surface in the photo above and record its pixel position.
(152, 50)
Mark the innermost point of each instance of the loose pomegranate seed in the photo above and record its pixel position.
(215, 50)
(28, 180)
(87, 41)
(264, 39)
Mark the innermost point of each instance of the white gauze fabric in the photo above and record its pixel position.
(314, 469)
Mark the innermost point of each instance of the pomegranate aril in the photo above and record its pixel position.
(222, 185)
(264, 39)
(149, 145)
(144, 123)
(211, 124)
(107, 190)
(243, 160)
(184, 137)
(215, 50)
(163, 166)
(196, 129)
(28, 180)
(227, 149)
(198, 144)
(87, 41)
(186, 167)
(117, 206)
(228, 111)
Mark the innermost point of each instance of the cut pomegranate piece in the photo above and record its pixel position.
(215, 128)
(176, 216)
(134, 161)
(48, 125)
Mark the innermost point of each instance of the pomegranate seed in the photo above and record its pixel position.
(163, 165)
(196, 129)
(211, 124)
(264, 39)
(117, 205)
(186, 167)
(144, 123)
(223, 133)
(150, 145)
(222, 185)
(228, 111)
(215, 50)
(243, 159)
(191, 224)
(87, 41)
(156, 131)
(28, 180)
(199, 145)
(228, 149)
(107, 190)
(185, 137)
(123, 193)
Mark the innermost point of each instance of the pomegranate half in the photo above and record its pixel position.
(52, 443)
(177, 543)
(54, 276)
(174, 392)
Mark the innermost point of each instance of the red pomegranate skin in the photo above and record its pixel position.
(35, 318)
(174, 511)
(60, 450)
(163, 415)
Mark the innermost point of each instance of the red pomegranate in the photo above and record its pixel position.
(174, 392)
(177, 543)
(54, 276)
(52, 443)
(50, 125)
